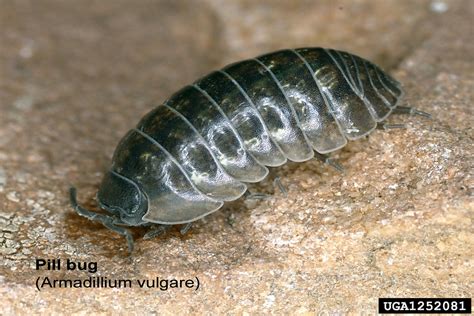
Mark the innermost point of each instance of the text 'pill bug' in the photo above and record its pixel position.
(198, 149)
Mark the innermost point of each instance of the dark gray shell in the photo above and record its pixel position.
(196, 151)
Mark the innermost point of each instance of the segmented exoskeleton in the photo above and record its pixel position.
(197, 150)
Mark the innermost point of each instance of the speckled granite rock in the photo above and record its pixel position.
(74, 77)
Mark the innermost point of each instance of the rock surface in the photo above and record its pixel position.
(75, 76)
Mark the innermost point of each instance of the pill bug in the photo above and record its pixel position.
(197, 150)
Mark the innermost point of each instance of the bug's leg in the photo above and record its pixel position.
(326, 159)
(185, 228)
(390, 126)
(108, 221)
(256, 196)
(410, 111)
(122, 231)
(264, 196)
(155, 231)
(279, 185)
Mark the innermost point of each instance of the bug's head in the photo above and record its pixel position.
(123, 198)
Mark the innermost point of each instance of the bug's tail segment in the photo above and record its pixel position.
(349, 110)
(392, 84)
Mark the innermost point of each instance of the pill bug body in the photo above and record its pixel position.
(198, 149)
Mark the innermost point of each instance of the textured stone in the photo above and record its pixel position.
(75, 76)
